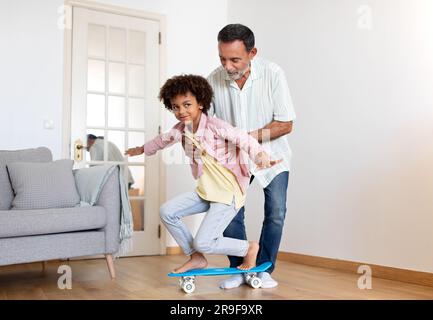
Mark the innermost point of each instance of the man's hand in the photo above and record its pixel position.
(134, 151)
(263, 161)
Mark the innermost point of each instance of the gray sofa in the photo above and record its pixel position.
(60, 233)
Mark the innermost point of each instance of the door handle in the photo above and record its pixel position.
(78, 150)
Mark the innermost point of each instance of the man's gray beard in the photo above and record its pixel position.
(237, 75)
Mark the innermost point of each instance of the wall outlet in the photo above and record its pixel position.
(48, 124)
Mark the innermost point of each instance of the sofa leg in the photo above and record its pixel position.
(110, 264)
(44, 266)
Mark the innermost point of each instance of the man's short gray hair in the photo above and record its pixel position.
(232, 32)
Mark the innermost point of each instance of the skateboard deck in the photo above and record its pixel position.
(187, 281)
(221, 271)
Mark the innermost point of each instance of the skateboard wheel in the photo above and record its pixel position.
(255, 282)
(188, 287)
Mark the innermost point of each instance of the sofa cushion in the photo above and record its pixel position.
(29, 155)
(19, 223)
(43, 185)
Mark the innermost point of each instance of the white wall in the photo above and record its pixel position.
(31, 77)
(361, 186)
(31, 60)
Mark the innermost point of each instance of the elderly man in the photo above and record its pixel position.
(252, 94)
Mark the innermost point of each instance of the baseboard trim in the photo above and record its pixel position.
(377, 271)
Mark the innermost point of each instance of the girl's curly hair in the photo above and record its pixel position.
(182, 84)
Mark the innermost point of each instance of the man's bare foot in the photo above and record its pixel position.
(250, 259)
(196, 261)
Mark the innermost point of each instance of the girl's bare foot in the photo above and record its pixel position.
(250, 259)
(196, 261)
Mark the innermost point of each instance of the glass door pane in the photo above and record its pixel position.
(95, 110)
(137, 207)
(117, 44)
(116, 111)
(96, 75)
(137, 47)
(96, 41)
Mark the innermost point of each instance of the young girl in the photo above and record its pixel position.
(218, 154)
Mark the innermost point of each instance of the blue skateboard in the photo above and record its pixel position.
(187, 280)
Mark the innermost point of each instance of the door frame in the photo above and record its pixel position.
(67, 79)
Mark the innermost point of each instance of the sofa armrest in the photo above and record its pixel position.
(109, 199)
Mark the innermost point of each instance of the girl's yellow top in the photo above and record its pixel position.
(217, 183)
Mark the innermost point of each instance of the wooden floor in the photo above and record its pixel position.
(146, 278)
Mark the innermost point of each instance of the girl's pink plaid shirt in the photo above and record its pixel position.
(228, 145)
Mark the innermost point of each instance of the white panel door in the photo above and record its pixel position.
(115, 83)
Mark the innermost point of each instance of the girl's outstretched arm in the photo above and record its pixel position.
(160, 142)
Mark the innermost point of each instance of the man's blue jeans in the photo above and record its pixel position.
(275, 213)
